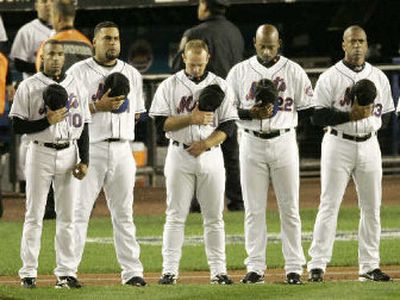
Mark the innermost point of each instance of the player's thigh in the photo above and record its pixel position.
(210, 185)
(368, 175)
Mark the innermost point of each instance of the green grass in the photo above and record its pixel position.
(100, 258)
(342, 290)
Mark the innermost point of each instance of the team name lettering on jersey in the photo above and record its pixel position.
(99, 93)
(185, 104)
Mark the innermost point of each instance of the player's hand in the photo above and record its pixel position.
(80, 171)
(201, 117)
(107, 103)
(56, 116)
(261, 112)
(197, 148)
(359, 112)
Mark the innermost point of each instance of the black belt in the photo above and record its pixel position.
(110, 140)
(353, 138)
(53, 145)
(176, 143)
(268, 135)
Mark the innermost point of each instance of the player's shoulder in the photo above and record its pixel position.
(242, 66)
(125, 67)
(80, 65)
(215, 79)
(376, 70)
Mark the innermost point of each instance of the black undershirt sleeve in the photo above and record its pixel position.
(244, 114)
(83, 145)
(330, 117)
(228, 127)
(160, 120)
(24, 126)
(23, 66)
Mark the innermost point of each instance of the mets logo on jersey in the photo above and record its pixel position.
(185, 104)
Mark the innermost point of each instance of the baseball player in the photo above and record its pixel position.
(52, 157)
(269, 152)
(29, 38)
(112, 164)
(350, 148)
(23, 51)
(194, 162)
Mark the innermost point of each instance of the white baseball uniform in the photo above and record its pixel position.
(186, 175)
(272, 156)
(28, 40)
(45, 165)
(343, 158)
(112, 165)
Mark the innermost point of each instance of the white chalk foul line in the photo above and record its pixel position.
(239, 239)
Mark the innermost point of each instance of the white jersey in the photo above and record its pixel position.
(107, 125)
(3, 34)
(330, 92)
(28, 40)
(28, 105)
(178, 95)
(292, 82)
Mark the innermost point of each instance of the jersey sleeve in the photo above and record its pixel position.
(304, 91)
(386, 95)
(20, 46)
(322, 92)
(140, 108)
(20, 106)
(227, 111)
(160, 103)
(231, 80)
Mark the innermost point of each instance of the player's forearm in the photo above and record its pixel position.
(177, 122)
(83, 145)
(216, 138)
(24, 126)
(330, 117)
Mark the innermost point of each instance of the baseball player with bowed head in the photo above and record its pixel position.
(269, 152)
(194, 162)
(350, 148)
(55, 134)
(112, 164)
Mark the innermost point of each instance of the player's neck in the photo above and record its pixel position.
(45, 23)
(57, 78)
(356, 67)
(107, 64)
(196, 79)
(270, 63)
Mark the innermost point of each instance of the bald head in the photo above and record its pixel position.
(267, 30)
(355, 45)
(267, 42)
(351, 30)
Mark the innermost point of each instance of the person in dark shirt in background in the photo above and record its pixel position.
(226, 46)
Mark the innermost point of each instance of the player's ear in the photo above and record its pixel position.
(183, 57)
(254, 42)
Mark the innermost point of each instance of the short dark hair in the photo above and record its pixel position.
(65, 8)
(52, 42)
(104, 24)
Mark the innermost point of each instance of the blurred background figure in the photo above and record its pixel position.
(226, 46)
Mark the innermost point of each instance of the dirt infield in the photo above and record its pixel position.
(272, 276)
(151, 201)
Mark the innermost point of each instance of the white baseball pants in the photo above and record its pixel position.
(340, 160)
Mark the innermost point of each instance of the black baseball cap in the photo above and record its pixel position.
(224, 3)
